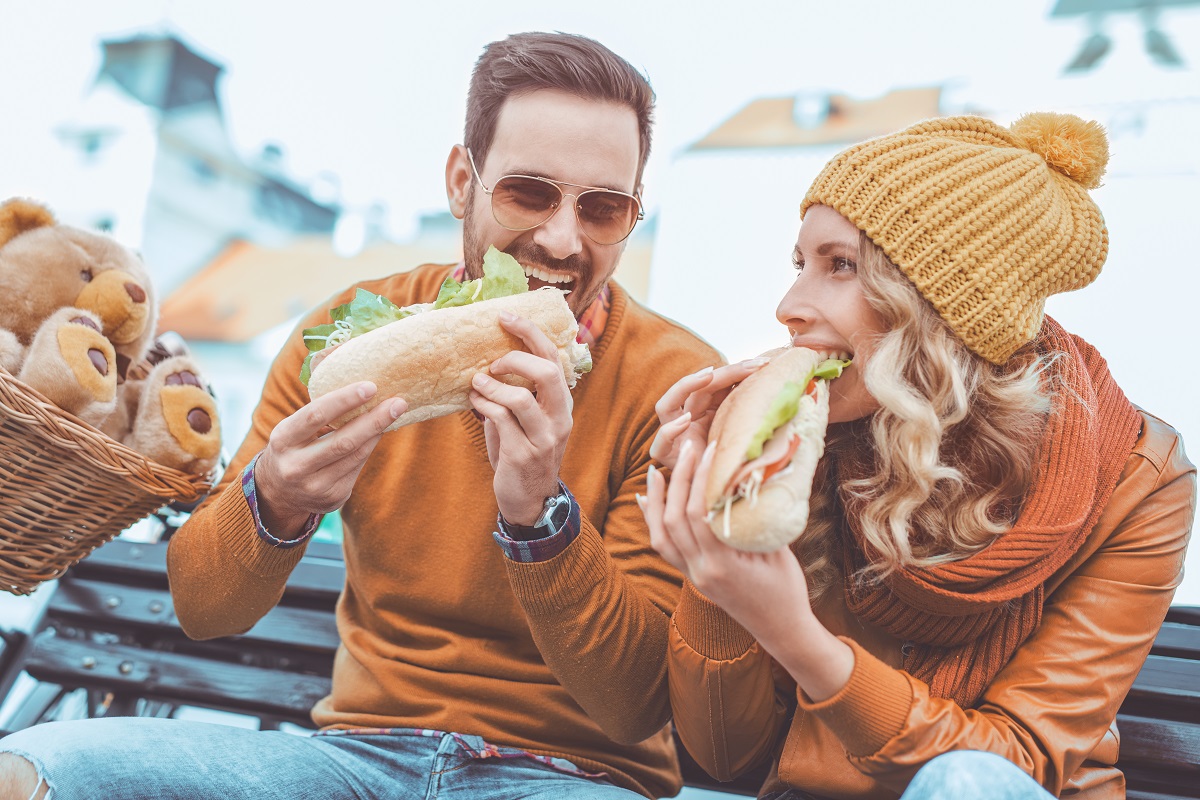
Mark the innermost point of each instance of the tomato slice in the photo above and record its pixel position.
(793, 446)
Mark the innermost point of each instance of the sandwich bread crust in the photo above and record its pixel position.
(428, 359)
(775, 514)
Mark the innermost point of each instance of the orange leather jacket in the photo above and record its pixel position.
(1051, 710)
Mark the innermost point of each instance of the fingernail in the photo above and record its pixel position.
(366, 390)
(397, 408)
(641, 501)
(684, 419)
(508, 316)
(755, 362)
(480, 379)
(650, 473)
(708, 451)
(704, 371)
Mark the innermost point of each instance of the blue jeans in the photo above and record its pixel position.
(960, 775)
(132, 757)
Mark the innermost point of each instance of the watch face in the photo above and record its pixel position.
(555, 513)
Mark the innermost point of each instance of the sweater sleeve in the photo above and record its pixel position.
(599, 610)
(224, 577)
(1054, 702)
(598, 613)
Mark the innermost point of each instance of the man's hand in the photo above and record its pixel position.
(308, 468)
(526, 430)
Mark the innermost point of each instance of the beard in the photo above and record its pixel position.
(584, 289)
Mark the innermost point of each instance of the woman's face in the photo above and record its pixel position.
(825, 309)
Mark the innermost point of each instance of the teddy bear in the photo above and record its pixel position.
(78, 315)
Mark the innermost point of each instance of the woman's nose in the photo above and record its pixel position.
(796, 307)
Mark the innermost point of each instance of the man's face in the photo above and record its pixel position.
(562, 137)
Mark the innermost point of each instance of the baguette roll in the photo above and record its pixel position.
(759, 501)
(429, 359)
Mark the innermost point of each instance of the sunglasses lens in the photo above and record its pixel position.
(521, 203)
(607, 217)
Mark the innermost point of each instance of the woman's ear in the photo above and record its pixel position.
(458, 180)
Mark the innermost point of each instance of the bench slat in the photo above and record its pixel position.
(1164, 744)
(317, 578)
(177, 678)
(1177, 640)
(107, 606)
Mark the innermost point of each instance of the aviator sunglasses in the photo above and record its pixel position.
(523, 202)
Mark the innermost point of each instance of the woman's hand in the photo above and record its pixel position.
(757, 589)
(765, 592)
(686, 411)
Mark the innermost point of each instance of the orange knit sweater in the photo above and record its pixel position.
(439, 630)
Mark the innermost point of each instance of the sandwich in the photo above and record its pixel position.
(427, 353)
(769, 434)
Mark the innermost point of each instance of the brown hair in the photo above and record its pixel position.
(527, 62)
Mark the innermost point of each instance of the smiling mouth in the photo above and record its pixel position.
(562, 280)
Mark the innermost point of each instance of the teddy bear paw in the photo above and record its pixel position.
(73, 364)
(177, 423)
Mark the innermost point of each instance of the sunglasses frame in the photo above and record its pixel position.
(641, 215)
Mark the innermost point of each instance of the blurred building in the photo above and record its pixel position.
(154, 164)
(731, 211)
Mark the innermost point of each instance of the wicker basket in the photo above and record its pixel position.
(66, 488)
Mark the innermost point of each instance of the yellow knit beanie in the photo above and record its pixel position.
(986, 221)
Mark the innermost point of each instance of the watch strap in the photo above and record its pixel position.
(545, 542)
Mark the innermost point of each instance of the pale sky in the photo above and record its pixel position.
(373, 93)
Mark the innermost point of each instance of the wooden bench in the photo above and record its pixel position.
(110, 635)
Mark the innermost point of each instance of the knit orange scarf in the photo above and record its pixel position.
(967, 618)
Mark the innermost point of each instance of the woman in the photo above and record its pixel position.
(996, 532)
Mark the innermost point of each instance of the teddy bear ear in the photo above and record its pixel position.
(18, 216)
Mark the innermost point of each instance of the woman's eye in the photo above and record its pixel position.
(844, 265)
(797, 264)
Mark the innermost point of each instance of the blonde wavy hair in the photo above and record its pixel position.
(952, 448)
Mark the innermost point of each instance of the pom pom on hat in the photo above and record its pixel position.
(1075, 147)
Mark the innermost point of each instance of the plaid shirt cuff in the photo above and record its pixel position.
(546, 548)
(252, 500)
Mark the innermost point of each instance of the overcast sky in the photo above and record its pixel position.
(373, 92)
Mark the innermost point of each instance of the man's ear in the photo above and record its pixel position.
(458, 180)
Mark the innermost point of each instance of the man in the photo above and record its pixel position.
(495, 643)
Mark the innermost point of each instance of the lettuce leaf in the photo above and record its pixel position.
(502, 277)
(787, 403)
(782, 409)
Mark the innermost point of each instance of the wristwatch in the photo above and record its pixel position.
(554, 515)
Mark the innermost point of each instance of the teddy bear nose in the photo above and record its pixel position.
(136, 292)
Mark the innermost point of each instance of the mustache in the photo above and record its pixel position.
(532, 254)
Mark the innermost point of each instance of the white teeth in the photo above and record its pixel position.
(548, 277)
(841, 355)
